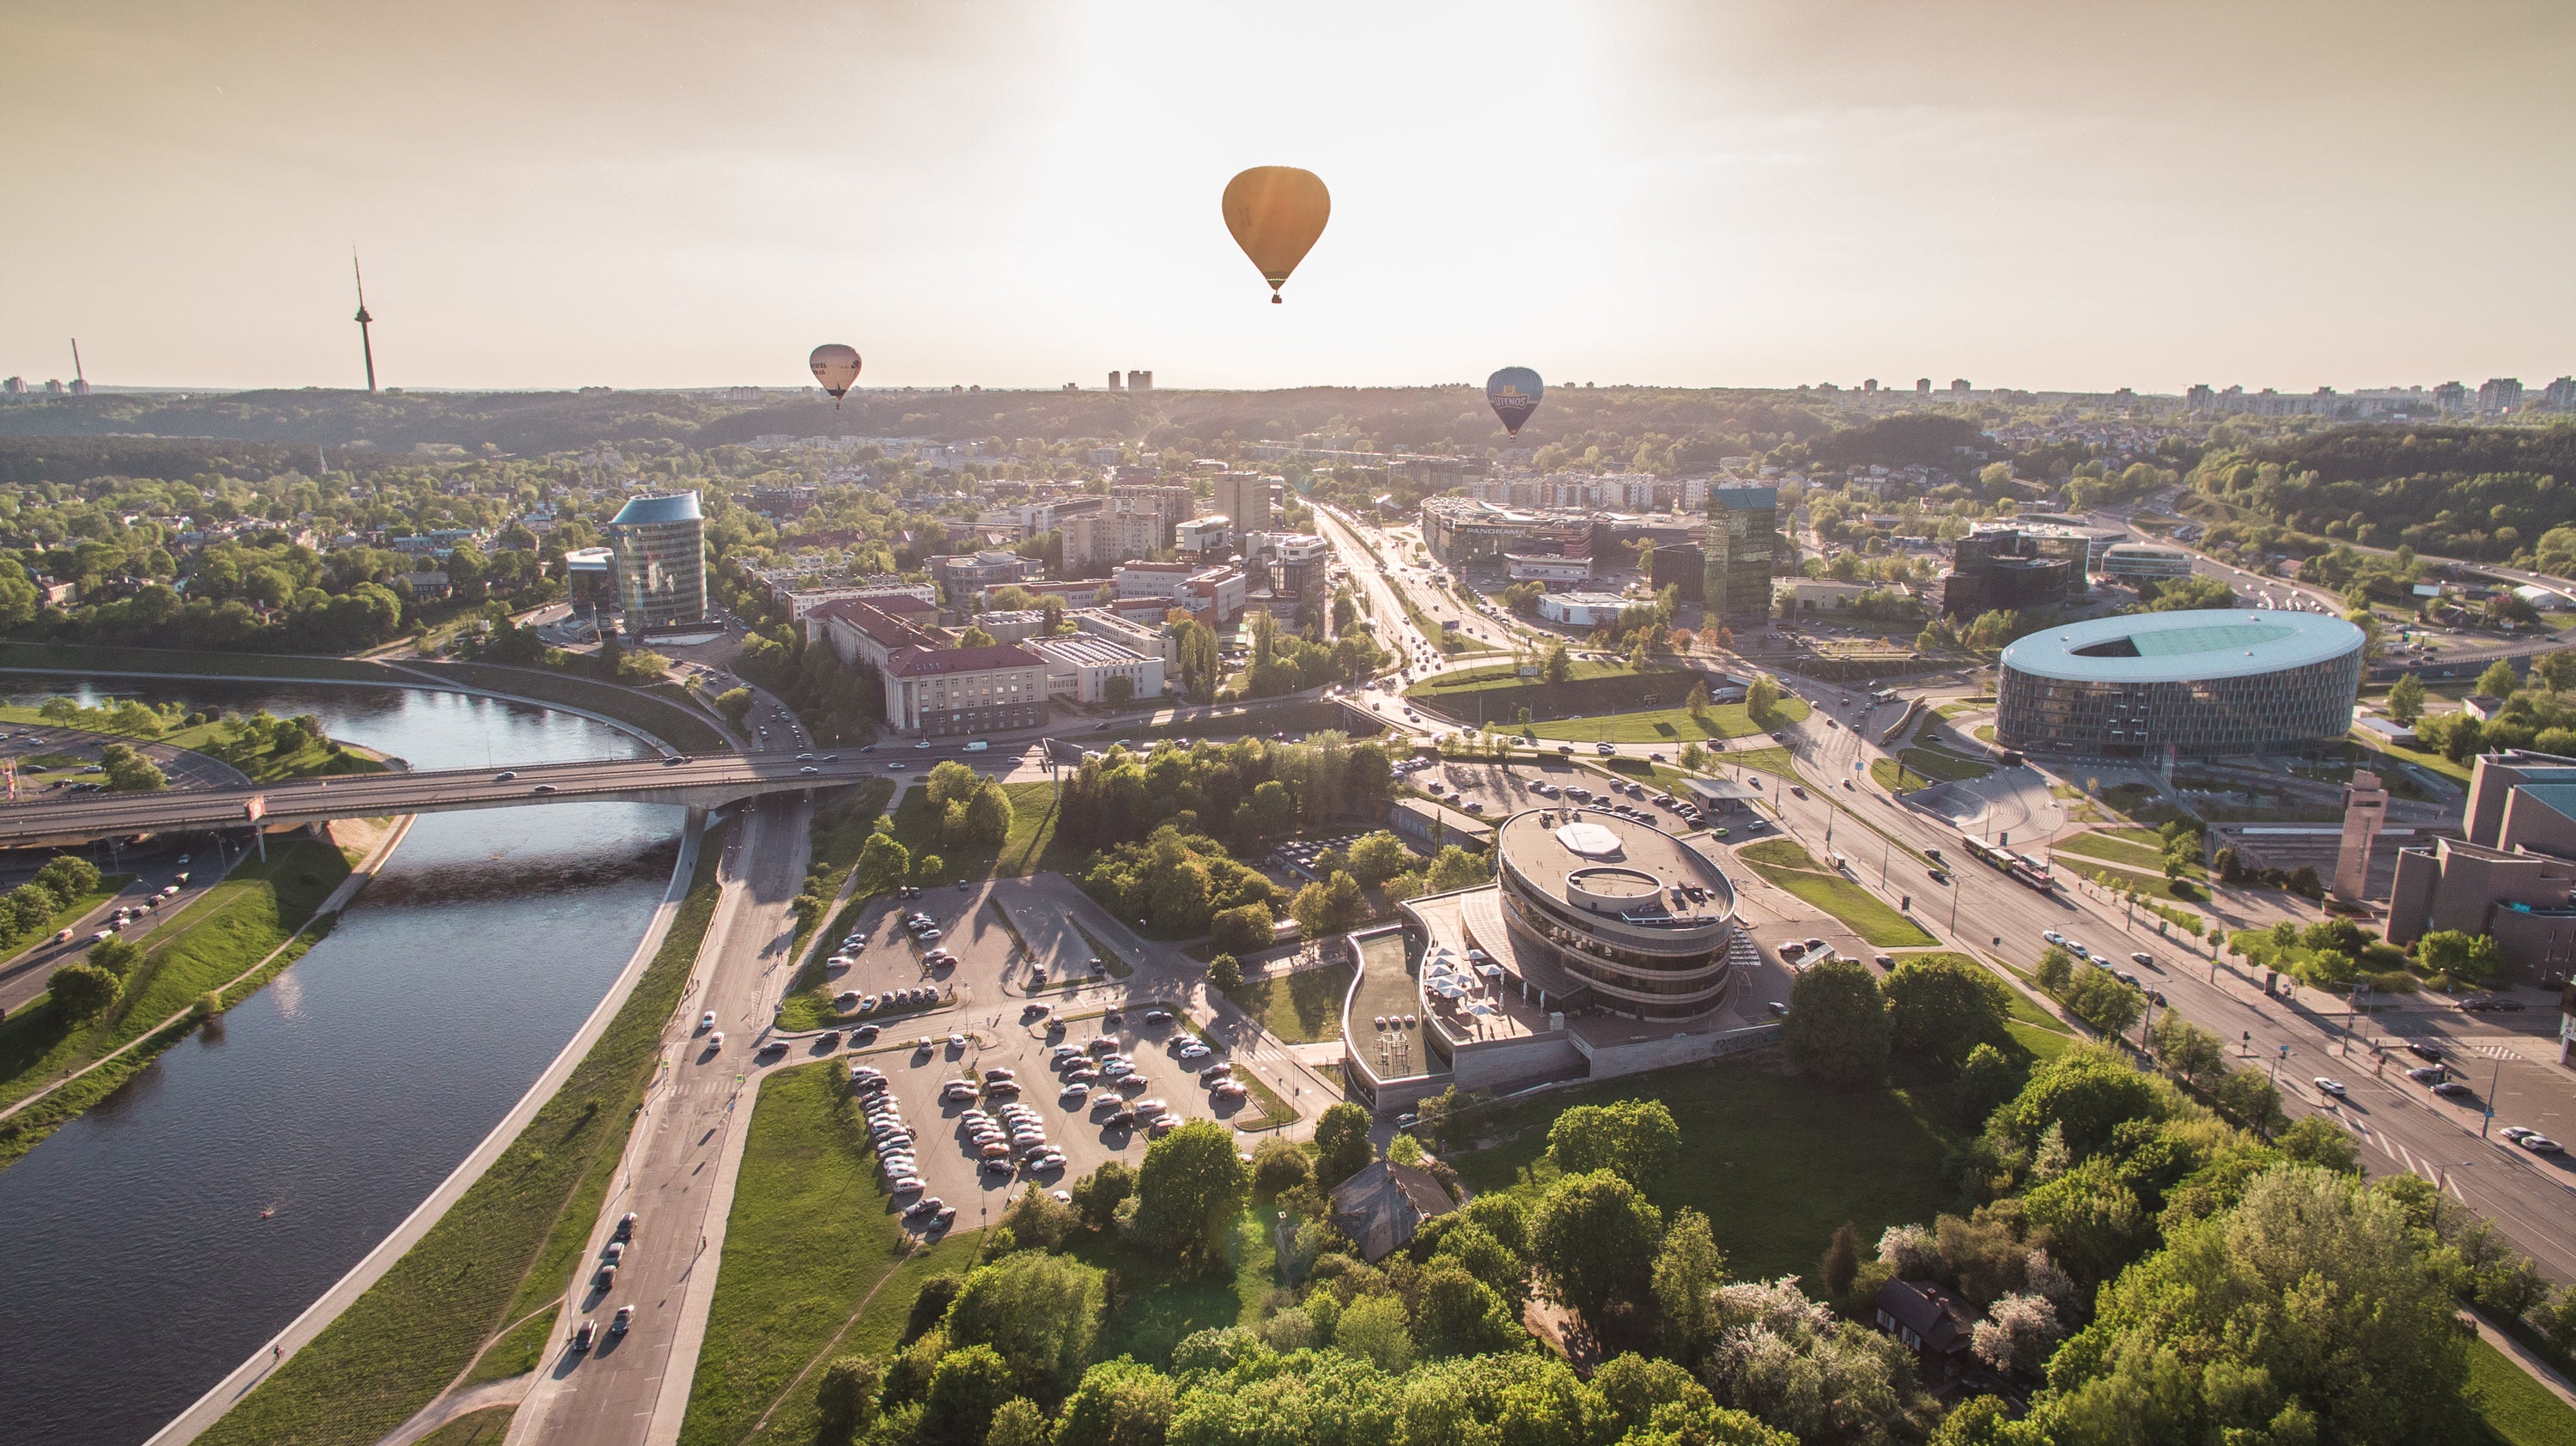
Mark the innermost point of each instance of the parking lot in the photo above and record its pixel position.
(1077, 1125)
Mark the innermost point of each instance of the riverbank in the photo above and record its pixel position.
(258, 920)
(495, 1243)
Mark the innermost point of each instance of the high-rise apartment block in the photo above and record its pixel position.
(1170, 502)
(2500, 394)
(1114, 534)
(1247, 499)
(1739, 549)
(659, 547)
(2365, 812)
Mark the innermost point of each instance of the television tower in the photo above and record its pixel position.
(80, 379)
(365, 342)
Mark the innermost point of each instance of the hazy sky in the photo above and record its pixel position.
(2044, 195)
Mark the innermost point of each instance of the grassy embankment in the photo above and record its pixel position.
(811, 1237)
(1749, 1158)
(1029, 848)
(258, 910)
(2517, 1410)
(310, 758)
(815, 1270)
(675, 724)
(1786, 865)
(1302, 1008)
(2421, 757)
(2031, 1026)
(840, 828)
(502, 1253)
(109, 886)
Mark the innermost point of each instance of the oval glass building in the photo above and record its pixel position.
(2209, 683)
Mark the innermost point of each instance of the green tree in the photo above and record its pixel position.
(68, 877)
(989, 815)
(1941, 1007)
(1097, 1196)
(1243, 928)
(2468, 957)
(1688, 1269)
(117, 956)
(1697, 702)
(1838, 1027)
(84, 991)
(1190, 1190)
(1455, 868)
(966, 1388)
(2310, 1311)
(1634, 1139)
(2406, 699)
(1225, 973)
(846, 1398)
(2555, 671)
(1018, 1422)
(1040, 1311)
(1841, 1264)
(883, 863)
(2314, 1140)
(1762, 701)
(1558, 665)
(1378, 857)
(1341, 1143)
(129, 771)
(1596, 1238)
(1120, 1403)
(1374, 1328)
(1461, 1315)
(2499, 679)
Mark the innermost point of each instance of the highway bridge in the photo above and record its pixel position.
(702, 782)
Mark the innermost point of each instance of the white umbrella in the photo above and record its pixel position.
(1483, 1009)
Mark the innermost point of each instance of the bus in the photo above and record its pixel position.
(2022, 868)
(1985, 853)
(1883, 695)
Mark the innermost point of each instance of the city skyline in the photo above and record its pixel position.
(1017, 200)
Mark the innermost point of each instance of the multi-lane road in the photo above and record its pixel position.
(677, 1173)
(2400, 1124)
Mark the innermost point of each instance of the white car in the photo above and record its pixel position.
(1194, 1051)
(2054, 937)
(706, 1021)
(2332, 1087)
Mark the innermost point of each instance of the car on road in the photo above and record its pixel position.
(584, 1334)
(2450, 1089)
(1800, 792)
(2143, 959)
(716, 1040)
(542, 788)
(2423, 1051)
(2428, 1074)
(505, 776)
(1778, 1009)
(926, 1205)
(626, 1227)
(809, 768)
(2332, 1087)
(2539, 1144)
(619, 1323)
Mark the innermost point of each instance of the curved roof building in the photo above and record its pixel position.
(2208, 683)
(658, 547)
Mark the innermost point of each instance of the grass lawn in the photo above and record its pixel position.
(660, 717)
(2422, 756)
(2119, 849)
(1296, 719)
(1769, 760)
(1668, 725)
(240, 921)
(2517, 1410)
(1029, 848)
(877, 1333)
(503, 1251)
(1156, 1308)
(1925, 766)
(1751, 1159)
(811, 1232)
(1302, 1008)
(842, 822)
(109, 886)
(2153, 886)
(1507, 675)
(1786, 865)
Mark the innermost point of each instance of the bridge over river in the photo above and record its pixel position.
(703, 782)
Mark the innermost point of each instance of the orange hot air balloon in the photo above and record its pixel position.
(836, 366)
(1275, 213)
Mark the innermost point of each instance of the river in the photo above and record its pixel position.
(136, 1267)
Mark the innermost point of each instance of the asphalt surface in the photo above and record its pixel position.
(676, 1153)
(25, 975)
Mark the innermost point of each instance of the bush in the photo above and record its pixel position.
(84, 991)
(1279, 1166)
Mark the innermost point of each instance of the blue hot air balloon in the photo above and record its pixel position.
(1514, 393)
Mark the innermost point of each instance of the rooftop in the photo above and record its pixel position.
(1086, 651)
(669, 507)
(1586, 858)
(937, 662)
(2183, 646)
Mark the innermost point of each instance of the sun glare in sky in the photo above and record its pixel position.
(1025, 195)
